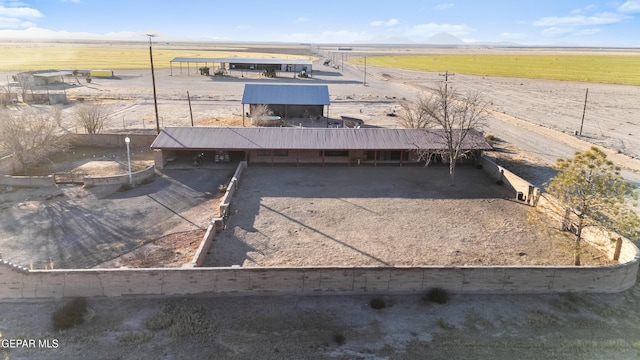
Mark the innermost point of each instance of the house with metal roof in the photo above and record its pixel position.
(347, 146)
(288, 101)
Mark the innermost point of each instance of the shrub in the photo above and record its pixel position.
(377, 303)
(339, 339)
(70, 315)
(437, 295)
(180, 320)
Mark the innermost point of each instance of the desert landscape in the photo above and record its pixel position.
(535, 121)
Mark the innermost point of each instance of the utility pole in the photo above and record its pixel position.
(446, 96)
(365, 72)
(190, 111)
(584, 110)
(153, 79)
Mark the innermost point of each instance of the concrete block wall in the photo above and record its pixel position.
(28, 181)
(136, 177)
(24, 284)
(217, 224)
(111, 140)
(518, 184)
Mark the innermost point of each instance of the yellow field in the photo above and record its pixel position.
(610, 69)
(104, 57)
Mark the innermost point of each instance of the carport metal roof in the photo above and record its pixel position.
(286, 94)
(239, 60)
(51, 74)
(228, 138)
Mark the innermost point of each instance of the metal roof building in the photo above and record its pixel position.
(288, 101)
(309, 144)
(248, 64)
(286, 94)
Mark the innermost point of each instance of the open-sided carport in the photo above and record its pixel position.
(244, 64)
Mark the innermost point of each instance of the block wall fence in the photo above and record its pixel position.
(18, 282)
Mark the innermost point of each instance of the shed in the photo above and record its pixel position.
(288, 101)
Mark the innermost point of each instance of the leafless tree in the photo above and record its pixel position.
(258, 112)
(413, 115)
(31, 135)
(455, 114)
(92, 116)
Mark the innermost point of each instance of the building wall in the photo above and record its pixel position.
(353, 157)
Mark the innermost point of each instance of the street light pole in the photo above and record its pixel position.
(153, 79)
(127, 141)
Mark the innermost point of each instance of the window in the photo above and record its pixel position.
(280, 152)
(335, 153)
(264, 152)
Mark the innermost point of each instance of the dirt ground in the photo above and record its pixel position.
(383, 216)
(536, 116)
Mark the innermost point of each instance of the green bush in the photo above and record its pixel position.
(70, 315)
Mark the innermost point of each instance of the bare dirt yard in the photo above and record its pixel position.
(384, 216)
(74, 227)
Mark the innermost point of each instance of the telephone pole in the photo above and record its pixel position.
(153, 80)
(365, 72)
(446, 96)
(584, 110)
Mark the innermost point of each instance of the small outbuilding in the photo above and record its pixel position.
(288, 101)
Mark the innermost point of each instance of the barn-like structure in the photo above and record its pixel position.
(291, 145)
(288, 101)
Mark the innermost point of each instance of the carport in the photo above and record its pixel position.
(243, 64)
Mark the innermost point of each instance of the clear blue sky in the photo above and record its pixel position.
(541, 22)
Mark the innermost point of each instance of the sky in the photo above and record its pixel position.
(536, 23)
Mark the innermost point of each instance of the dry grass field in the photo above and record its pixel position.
(112, 56)
(590, 68)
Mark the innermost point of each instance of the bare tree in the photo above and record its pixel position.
(454, 114)
(92, 116)
(413, 115)
(258, 113)
(31, 135)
